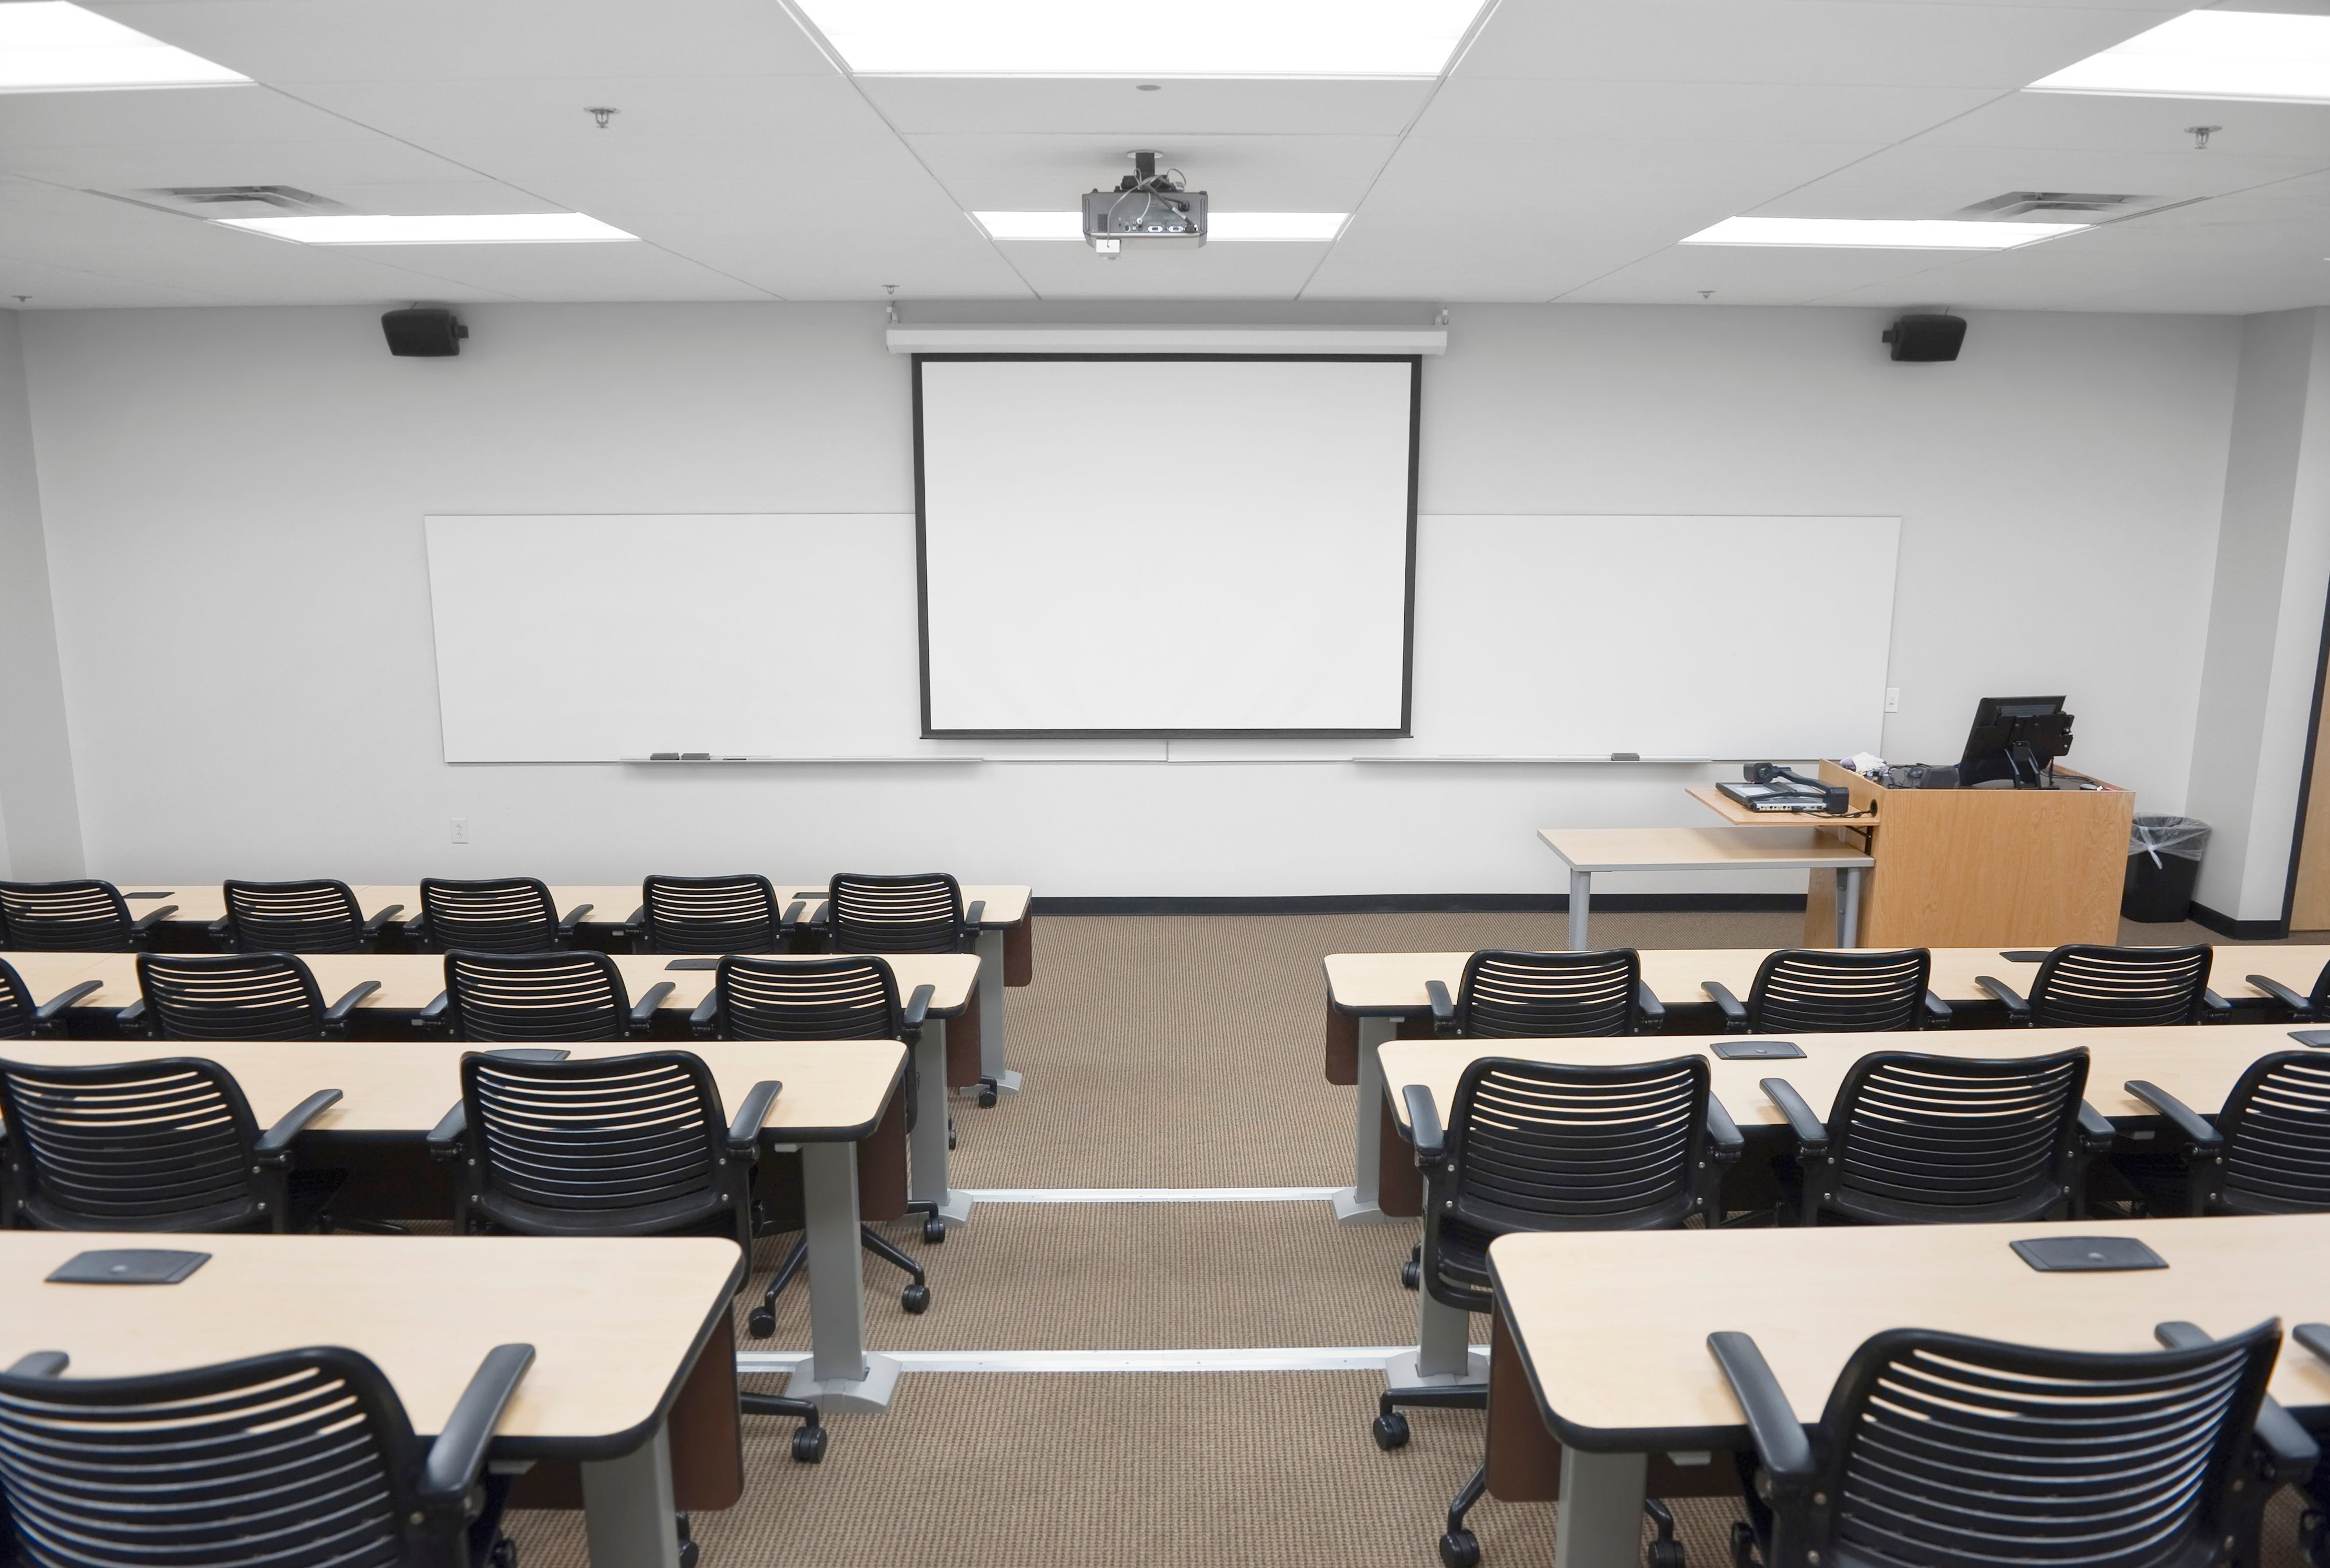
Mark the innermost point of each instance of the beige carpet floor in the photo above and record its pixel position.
(1161, 1052)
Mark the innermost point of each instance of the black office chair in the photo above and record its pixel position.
(866, 913)
(609, 1146)
(1544, 1146)
(84, 916)
(20, 1017)
(2082, 986)
(2268, 1151)
(317, 916)
(165, 1145)
(1507, 995)
(836, 999)
(510, 915)
(1817, 991)
(523, 999)
(298, 1456)
(2310, 1008)
(712, 914)
(236, 996)
(1955, 1453)
(1922, 1139)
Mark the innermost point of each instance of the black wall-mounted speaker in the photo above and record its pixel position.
(1927, 337)
(422, 333)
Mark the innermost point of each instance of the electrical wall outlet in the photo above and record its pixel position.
(460, 830)
(1892, 699)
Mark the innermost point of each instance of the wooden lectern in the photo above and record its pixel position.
(1970, 868)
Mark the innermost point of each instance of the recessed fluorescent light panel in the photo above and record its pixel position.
(50, 46)
(1188, 38)
(2263, 56)
(1881, 234)
(1320, 227)
(458, 229)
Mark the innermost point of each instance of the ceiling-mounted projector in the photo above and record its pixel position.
(1148, 209)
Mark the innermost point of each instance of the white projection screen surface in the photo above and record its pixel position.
(1174, 545)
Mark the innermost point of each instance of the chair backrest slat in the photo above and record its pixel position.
(896, 914)
(317, 916)
(16, 1003)
(81, 916)
(2277, 1128)
(133, 1146)
(709, 914)
(2084, 987)
(231, 997)
(833, 999)
(1812, 991)
(1510, 994)
(510, 915)
(516, 999)
(1917, 1138)
(595, 1144)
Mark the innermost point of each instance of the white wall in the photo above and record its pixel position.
(40, 825)
(233, 503)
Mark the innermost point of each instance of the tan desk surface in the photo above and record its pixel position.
(2199, 1064)
(1394, 982)
(1614, 1326)
(411, 981)
(1698, 848)
(613, 1322)
(1740, 816)
(834, 1091)
(612, 905)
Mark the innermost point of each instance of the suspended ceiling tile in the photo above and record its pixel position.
(1118, 109)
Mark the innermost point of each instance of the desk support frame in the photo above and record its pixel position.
(628, 1513)
(1599, 1524)
(991, 1015)
(841, 1375)
(928, 1177)
(1360, 1202)
(1848, 906)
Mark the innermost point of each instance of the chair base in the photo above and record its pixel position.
(915, 1298)
(809, 1442)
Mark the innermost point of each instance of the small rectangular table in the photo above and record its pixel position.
(1588, 850)
(623, 1329)
(1611, 1327)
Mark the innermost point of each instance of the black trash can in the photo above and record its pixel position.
(2164, 862)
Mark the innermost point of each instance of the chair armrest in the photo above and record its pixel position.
(274, 1145)
(219, 929)
(144, 924)
(1937, 1012)
(2202, 1137)
(337, 1014)
(1723, 1141)
(2017, 1011)
(2300, 1009)
(445, 1138)
(2314, 1337)
(433, 1014)
(636, 926)
(2290, 1452)
(789, 919)
(745, 1132)
(1812, 1133)
(1735, 1016)
(48, 1012)
(916, 1012)
(643, 1011)
(382, 922)
(129, 1020)
(976, 914)
(1653, 1012)
(699, 1021)
(1424, 1122)
(417, 927)
(2214, 1009)
(41, 1364)
(2096, 1132)
(1444, 1007)
(573, 918)
(1779, 1437)
(459, 1452)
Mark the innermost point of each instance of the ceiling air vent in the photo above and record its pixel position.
(2057, 207)
(233, 201)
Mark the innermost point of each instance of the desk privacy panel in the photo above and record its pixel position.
(566, 638)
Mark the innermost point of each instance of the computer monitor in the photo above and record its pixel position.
(2016, 737)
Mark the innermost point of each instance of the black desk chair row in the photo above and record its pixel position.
(1820, 991)
(2084, 987)
(236, 996)
(80, 916)
(316, 916)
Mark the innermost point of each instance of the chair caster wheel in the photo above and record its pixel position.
(933, 1232)
(987, 1097)
(1460, 1549)
(761, 1323)
(1662, 1554)
(1743, 1545)
(1411, 1276)
(690, 1553)
(915, 1298)
(809, 1445)
(1391, 1432)
(503, 1554)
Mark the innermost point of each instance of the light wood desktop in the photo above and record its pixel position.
(1611, 1329)
(1587, 851)
(834, 1094)
(634, 1372)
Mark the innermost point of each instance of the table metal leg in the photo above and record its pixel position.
(1848, 907)
(1443, 1356)
(628, 1516)
(1599, 1524)
(1581, 896)
(1358, 1204)
(927, 1178)
(990, 1014)
(840, 1374)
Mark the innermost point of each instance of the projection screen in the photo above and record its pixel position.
(1165, 544)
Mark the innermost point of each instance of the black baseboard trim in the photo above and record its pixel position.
(1426, 904)
(2225, 925)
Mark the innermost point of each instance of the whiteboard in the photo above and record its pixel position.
(1666, 637)
(566, 638)
(1224, 542)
